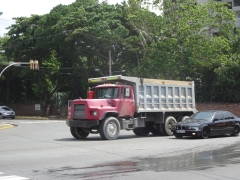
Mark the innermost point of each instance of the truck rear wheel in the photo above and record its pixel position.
(109, 128)
(155, 130)
(142, 131)
(169, 122)
(78, 132)
(161, 130)
(136, 132)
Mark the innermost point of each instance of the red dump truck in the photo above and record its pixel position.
(121, 102)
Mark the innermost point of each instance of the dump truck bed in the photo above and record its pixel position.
(156, 95)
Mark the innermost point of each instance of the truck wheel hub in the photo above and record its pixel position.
(112, 128)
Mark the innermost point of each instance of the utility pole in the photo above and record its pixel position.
(110, 63)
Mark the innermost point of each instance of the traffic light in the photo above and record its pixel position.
(34, 64)
(31, 64)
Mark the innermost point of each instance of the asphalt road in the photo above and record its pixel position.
(46, 150)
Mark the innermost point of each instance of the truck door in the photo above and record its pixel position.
(127, 104)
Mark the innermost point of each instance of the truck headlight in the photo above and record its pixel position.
(94, 113)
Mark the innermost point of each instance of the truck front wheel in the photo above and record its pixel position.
(109, 128)
(78, 132)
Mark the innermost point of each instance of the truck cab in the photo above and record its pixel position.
(105, 98)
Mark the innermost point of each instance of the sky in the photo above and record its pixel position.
(19, 8)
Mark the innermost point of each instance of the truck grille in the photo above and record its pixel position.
(79, 111)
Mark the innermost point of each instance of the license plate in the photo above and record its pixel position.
(180, 131)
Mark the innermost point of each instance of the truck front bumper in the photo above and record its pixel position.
(82, 123)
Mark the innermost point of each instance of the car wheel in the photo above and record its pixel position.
(109, 128)
(179, 136)
(3, 117)
(78, 133)
(13, 117)
(236, 131)
(205, 133)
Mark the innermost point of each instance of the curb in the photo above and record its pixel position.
(39, 118)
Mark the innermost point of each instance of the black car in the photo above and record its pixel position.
(6, 112)
(208, 123)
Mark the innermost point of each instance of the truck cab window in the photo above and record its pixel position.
(106, 93)
(126, 92)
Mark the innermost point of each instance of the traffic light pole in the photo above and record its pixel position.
(13, 64)
(32, 65)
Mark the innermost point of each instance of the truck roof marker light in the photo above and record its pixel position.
(110, 78)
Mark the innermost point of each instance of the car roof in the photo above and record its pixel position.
(214, 111)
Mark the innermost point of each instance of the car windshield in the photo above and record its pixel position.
(106, 93)
(205, 116)
(6, 108)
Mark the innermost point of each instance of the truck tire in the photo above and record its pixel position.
(155, 131)
(161, 130)
(109, 128)
(136, 132)
(169, 122)
(78, 132)
(184, 118)
(142, 131)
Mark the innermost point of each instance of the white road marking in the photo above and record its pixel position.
(35, 122)
(12, 178)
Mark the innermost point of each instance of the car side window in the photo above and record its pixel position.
(228, 115)
(218, 116)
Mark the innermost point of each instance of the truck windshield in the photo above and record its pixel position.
(106, 93)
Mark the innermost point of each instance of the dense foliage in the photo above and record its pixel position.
(183, 41)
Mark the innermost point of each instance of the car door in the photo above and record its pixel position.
(229, 122)
(218, 124)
